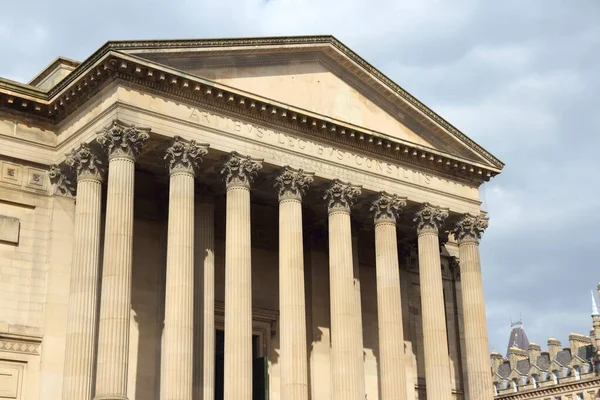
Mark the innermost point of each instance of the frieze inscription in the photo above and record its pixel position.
(309, 148)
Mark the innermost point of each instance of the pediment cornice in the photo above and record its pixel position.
(83, 83)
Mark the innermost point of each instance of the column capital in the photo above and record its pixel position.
(341, 196)
(61, 181)
(469, 228)
(430, 218)
(387, 207)
(240, 170)
(85, 162)
(184, 156)
(292, 183)
(122, 140)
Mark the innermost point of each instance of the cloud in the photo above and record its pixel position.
(521, 78)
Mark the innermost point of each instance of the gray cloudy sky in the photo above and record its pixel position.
(519, 77)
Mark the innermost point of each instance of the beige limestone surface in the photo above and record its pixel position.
(156, 326)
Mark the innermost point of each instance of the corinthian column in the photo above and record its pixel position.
(78, 376)
(291, 185)
(122, 143)
(347, 376)
(239, 172)
(467, 232)
(428, 220)
(177, 364)
(389, 304)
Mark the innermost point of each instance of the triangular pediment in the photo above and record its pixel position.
(317, 74)
(314, 84)
(311, 86)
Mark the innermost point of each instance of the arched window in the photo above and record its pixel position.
(536, 381)
(496, 389)
(555, 377)
(577, 371)
(515, 384)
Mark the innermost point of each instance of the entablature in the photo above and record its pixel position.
(82, 85)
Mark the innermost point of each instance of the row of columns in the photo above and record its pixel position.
(123, 143)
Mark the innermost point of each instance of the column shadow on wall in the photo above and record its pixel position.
(147, 303)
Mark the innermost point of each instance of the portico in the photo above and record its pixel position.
(323, 253)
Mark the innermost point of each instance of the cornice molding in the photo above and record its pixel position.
(199, 90)
(295, 41)
(559, 389)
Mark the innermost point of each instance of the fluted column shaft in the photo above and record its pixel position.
(238, 296)
(292, 303)
(347, 377)
(389, 300)
(435, 343)
(80, 346)
(177, 352)
(437, 366)
(205, 322)
(238, 279)
(476, 340)
(113, 336)
(468, 232)
(346, 374)
(292, 308)
(123, 143)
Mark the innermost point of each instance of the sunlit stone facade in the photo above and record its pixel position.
(237, 219)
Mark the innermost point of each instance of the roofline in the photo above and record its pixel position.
(121, 45)
(58, 60)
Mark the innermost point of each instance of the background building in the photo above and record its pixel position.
(565, 373)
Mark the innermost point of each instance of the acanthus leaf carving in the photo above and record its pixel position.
(85, 162)
(185, 156)
(387, 207)
(61, 181)
(470, 227)
(240, 170)
(430, 217)
(341, 196)
(120, 139)
(292, 183)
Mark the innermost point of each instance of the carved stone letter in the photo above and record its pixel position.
(430, 218)
(239, 170)
(121, 140)
(387, 207)
(470, 228)
(184, 156)
(341, 196)
(292, 184)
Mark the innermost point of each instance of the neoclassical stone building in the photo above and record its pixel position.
(236, 219)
